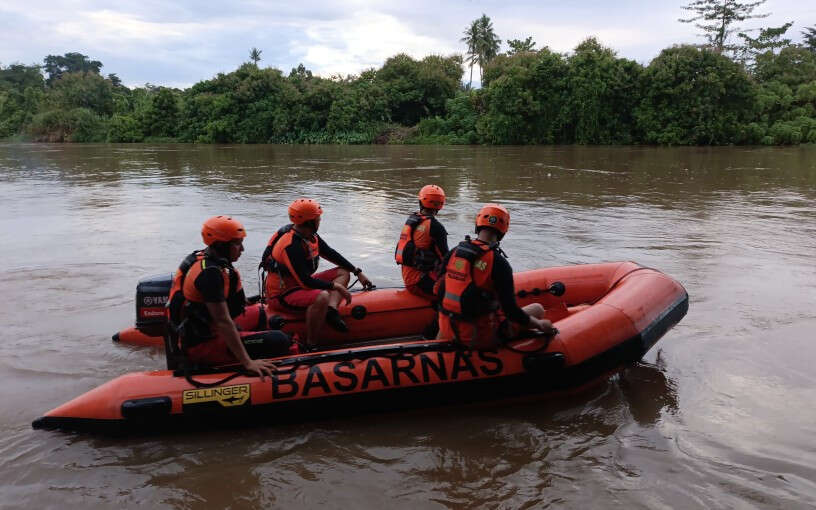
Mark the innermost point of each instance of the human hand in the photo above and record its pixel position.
(544, 326)
(344, 292)
(259, 367)
(364, 281)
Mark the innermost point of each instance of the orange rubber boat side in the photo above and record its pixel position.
(619, 310)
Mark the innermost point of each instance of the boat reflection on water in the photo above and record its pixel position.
(648, 391)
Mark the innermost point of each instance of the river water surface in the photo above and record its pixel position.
(720, 414)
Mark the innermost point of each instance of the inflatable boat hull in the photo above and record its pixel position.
(624, 309)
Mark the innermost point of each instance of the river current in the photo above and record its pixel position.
(719, 414)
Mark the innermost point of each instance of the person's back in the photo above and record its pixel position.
(422, 244)
(478, 302)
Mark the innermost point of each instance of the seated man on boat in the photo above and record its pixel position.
(477, 293)
(422, 244)
(205, 297)
(291, 259)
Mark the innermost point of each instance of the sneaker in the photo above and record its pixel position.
(336, 322)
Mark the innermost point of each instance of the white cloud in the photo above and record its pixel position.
(185, 41)
(364, 39)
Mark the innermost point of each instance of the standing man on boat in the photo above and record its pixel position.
(291, 259)
(207, 295)
(477, 294)
(423, 243)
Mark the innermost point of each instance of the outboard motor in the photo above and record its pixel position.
(151, 296)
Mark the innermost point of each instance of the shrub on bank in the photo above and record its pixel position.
(76, 125)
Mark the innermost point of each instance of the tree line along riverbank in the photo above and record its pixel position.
(687, 95)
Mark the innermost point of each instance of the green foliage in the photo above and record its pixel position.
(21, 77)
(255, 55)
(417, 89)
(482, 44)
(685, 96)
(160, 118)
(519, 46)
(717, 19)
(124, 128)
(525, 99)
(769, 39)
(81, 90)
(793, 66)
(75, 125)
(21, 91)
(809, 36)
(458, 127)
(603, 93)
(57, 65)
(693, 96)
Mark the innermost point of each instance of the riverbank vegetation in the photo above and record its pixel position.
(747, 90)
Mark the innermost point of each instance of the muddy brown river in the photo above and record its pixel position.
(720, 414)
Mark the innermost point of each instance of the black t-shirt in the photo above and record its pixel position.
(439, 235)
(210, 283)
(303, 266)
(506, 291)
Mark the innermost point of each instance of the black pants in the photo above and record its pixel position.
(267, 344)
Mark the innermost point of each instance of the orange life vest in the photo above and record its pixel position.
(281, 275)
(469, 306)
(416, 248)
(186, 311)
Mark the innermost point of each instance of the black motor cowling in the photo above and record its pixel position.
(151, 296)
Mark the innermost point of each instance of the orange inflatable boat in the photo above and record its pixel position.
(610, 315)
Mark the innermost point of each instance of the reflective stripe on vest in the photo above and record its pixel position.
(469, 272)
(284, 277)
(415, 242)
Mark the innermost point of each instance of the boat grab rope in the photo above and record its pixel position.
(188, 376)
(612, 287)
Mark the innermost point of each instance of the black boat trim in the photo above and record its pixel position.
(551, 379)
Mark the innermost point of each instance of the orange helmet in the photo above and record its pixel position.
(494, 216)
(221, 228)
(303, 210)
(432, 197)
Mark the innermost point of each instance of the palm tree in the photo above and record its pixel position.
(255, 55)
(488, 43)
(809, 35)
(471, 38)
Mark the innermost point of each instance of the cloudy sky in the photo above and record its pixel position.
(179, 42)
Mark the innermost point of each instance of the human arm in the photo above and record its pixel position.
(336, 258)
(440, 237)
(333, 256)
(505, 289)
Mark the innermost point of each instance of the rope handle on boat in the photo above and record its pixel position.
(199, 384)
(547, 335)
(612, 287)
(188, 376)
(373, 287)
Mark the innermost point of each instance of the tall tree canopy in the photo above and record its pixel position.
(809, 35)
(482, 44)
(717, 19)
(769, 39)
(57, 65)
(471, 39)
(488, 43)
(255, 55)
(519, 46)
